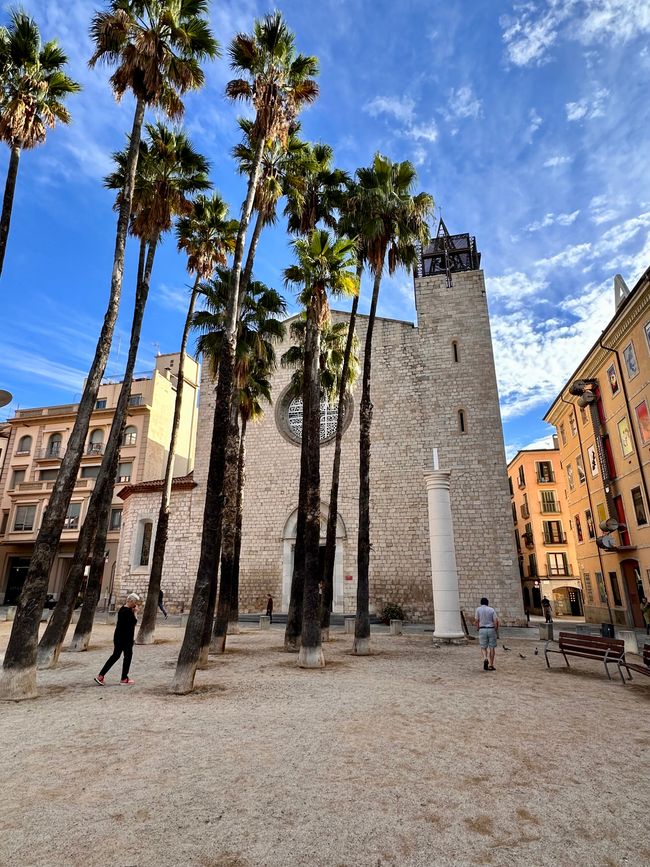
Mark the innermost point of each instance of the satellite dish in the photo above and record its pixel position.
(586, 398)
(5, 397)
(609, 525)
(607, 542)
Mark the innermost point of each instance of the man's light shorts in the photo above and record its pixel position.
(487, 637)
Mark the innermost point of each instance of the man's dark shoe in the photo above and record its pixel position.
(485, 665)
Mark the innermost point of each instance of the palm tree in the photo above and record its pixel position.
(323, 266)
(277, 82)
(33, 88)
(207, 236)
(156, 48)
(392, 223)
(258, 330)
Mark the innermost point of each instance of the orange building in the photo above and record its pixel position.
(602, 417)
(546, 551)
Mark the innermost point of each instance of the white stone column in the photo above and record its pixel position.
(444, 574)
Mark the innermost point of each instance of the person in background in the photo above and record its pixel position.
(487, 624)
(548, 611)
(161, 597)
(645, 610)
(123, 639)
(269, 607)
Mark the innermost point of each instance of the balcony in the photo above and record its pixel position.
(550, 508)
(529, 542)
(53, 452)
(555, 538)
(546, 479)
(44, 487)
(521, 483)
(559, 572)
(525, 511)
(94, 449)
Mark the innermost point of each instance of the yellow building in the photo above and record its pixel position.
(37, 442)
(602, 417)
(547, 557)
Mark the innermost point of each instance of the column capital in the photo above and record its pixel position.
(437, 479)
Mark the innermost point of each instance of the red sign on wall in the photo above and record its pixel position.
(349, 578)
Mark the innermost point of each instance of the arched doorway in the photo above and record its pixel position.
(634, 587)
(288, 546)
(568, 601)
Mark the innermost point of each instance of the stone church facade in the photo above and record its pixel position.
(433, 388)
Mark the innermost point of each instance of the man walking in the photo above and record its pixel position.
(548, 611)
(269, 608)
(161, 602)
(487, 624)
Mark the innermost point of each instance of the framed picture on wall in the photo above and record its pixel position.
(647, 334)
(625, 436)
(613, 379)
(643, 421)
(593, 461)
(630, 361)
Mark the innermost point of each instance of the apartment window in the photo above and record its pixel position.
(557, 564)
(124, 472)
(72, 517)
(616, 590)
(544, 471)
(525, 511)
(609, 456)
(549, 503)
(3, 523)
(517, 540)
(145, 547)
(135, 400)
(522, 478)
(580, 469)
(101, 403)
(620, 515)
(576, 519)
(24, 445)
(569, 477)
(591, 529)
(589, 590)
(47, 475)
(54, 446)
(639, 507)
(572, 425)
(514, 513)
(532, 565)
(583, 415)
(17, 477)
(130, 436)
(601, 512)
(24, 519)
(528, 535)
(602, 593)
(461, 421)
(90, 472)
(553, 534)
(512, 492)
(454, 350)
(116, 519)
(96, 442)
(562, 434)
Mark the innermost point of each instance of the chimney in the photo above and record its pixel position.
(556, 442)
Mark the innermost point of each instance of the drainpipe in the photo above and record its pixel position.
(591, 505)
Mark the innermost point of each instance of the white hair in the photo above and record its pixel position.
(133, 597)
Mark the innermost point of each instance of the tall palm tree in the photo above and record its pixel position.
(156, 48)
(314, 190)
(207, 236)
(33, 88)
(324, 266)
(392, 223)
(169, 172)
(259, 328)
(277, 82)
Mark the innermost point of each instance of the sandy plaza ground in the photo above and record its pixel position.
(412, 756)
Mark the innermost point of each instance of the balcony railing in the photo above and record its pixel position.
(559, 572)
(548, 508)
(51, 453)
(95, 449)
(545, 479)
(555, 538)
(521, 483)
(525, 511)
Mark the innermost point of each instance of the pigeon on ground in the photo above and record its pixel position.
(504, 647)
(536, 651)
(521, 656)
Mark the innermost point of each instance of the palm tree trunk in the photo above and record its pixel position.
(148, 623)
(362, 624)
(84, 627)
(247, 273)
(188, 658)
(8, 201)
(218, 641)
(233, 624)
(311, 652)
(293, 628)
(18, 677)
(332, 515)
(49, 647)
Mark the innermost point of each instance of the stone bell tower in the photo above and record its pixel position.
(460, 410)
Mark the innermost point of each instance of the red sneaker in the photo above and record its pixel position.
(100, 679)
(126, 681)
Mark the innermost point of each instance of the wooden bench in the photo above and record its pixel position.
(610, 651)
(633, 666)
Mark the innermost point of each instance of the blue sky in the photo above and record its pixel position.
(528, 123)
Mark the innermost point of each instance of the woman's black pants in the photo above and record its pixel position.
(119, 649)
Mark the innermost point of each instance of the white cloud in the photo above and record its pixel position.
(567, 258)
(588, 107)
(173, 297)
(553, 162)
(423, 132)
(528, 38)
(463, 103)
(513, 288)
(616, 237)
(605, 208)
(535, 121)
(553, 219)
(401, 109)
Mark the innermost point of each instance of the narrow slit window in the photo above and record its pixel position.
(454, 348)
(461, 421)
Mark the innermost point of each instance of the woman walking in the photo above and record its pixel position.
(123, 639)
